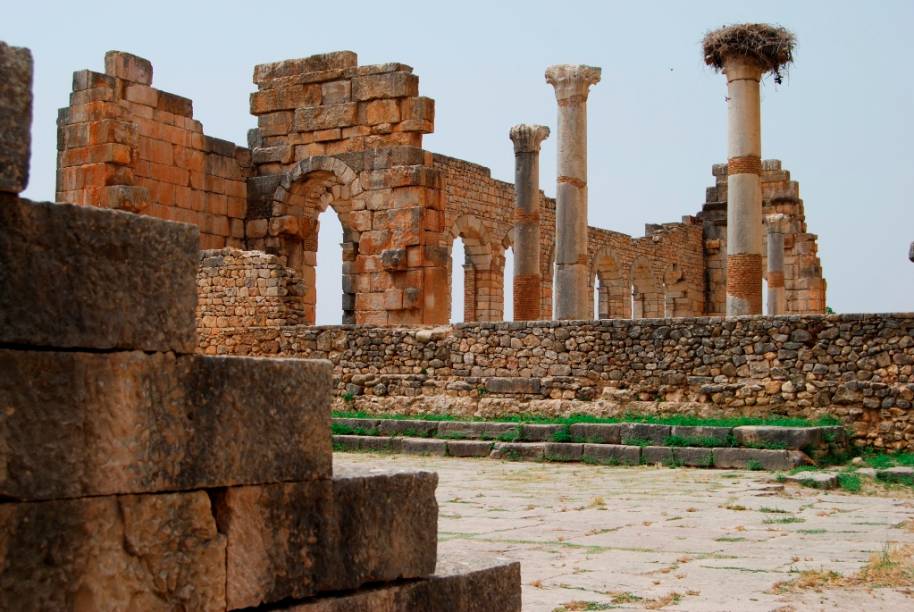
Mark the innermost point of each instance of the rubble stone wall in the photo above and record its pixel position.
(126, 145)
(858, 368)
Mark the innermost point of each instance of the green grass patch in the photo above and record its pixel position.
(849, 482)
(881, 461)
(730, 539)
(678, 419)
(811, 531)
(769, 510)
(345, 430)
(784, 520)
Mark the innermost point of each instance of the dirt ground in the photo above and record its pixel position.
(598, 538)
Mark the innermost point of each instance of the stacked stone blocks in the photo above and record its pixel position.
(138, 475)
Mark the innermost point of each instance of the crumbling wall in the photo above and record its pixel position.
(126, 145)
(804, 284)
(859, 368)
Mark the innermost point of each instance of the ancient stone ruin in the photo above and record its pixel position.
(139, 475)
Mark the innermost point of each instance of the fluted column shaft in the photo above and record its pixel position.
(777, 296)
(572, 85)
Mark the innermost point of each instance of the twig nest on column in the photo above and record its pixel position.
(771, 46)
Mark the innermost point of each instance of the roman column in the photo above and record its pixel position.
(527, 277)
(777, 298)
(572, 84)
(744, 52)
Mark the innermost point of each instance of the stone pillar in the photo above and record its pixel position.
(777, 297)
(744, 188)
(911, 252)
(527, 278)
(572, 84)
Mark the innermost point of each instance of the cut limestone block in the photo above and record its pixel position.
(692, 456)
(597, 433)
(134, 552)
(461, 429)
(15, 117)
(539, 432)
(655, 434)
(563, 451)
(421, 446)
(364, 424)
(611, 454)
(469, 448)
(657, 454)
(456, 586)
(519, 451)
(83, 277)
(751, 458)
(346, 442)
(816, 480)
(782, 437)
(292, 540)
(900, 473)
(718, 435)
(379, 443)
(77, 424)
(407, 427)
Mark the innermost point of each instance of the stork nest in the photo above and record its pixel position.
(770, 46)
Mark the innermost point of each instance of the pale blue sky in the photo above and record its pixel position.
(841, 122)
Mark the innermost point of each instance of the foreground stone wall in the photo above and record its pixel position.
(855, 367)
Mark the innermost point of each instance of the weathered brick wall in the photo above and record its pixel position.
(662, 272)
(124, 144)
(859, 368)
(245, 289)
(804, 284)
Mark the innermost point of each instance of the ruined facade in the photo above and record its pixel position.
(335, 135)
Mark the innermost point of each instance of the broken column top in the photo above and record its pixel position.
(322, 62)
(128, 67)
(768, 47)
(528, 138)
(572, 79)
(15, 117)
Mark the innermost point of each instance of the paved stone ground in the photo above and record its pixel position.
(707, 538)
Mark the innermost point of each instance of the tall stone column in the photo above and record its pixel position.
(527, 277)
(572, 84)
(777, 296)
(744, 52)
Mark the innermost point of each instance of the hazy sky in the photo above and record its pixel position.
(841, 122)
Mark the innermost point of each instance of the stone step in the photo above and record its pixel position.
(77, 424)
(458, 585)
(294, 540)
(131, 552)
(605, 454)
(754, 436)
(89, 278)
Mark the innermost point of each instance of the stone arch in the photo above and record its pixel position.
(479, 269)
(613, 300)
(305, 191)
(647, 295)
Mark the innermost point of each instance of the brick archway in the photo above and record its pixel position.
(614, 297)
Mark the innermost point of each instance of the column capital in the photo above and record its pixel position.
(777, 223)
(528, 138)
(572, 80)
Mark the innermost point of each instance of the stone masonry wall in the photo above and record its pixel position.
(859, 368)
(661, 274)
(246, 289)
(124, 144)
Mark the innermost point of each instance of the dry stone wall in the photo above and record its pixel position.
(858, 368)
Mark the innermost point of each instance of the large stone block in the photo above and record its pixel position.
(778, 437)
(293, 540)
(82, 277)
(15, 117)
(146, 552)
(76, 424)
(456, 586)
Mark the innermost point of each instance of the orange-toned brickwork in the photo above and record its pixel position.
(124, 144)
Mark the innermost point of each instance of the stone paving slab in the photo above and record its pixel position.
(717, 538)
(88, 278)
(77, 424)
